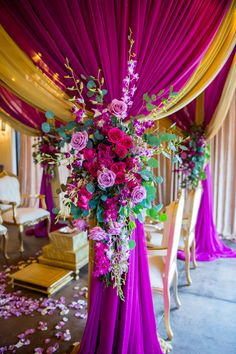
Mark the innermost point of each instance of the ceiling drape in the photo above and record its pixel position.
(173, 42)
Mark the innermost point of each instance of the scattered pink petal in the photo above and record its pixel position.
(38, 350)
(52, 349)
(42, 326)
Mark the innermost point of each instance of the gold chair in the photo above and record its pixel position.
(187, 241)
(4, 235)
(13, 212)
(163, 259)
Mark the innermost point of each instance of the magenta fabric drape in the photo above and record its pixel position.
(171, 38)
(117, 327)
(20, 110)
(208, 244)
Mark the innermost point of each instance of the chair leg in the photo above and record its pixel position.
(5, 243)
(193, 251)
(48, 225)
(187, 264)
(20, 234)
(175, 289)
(166, 293)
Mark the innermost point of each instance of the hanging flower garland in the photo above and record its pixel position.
(111, 161)
(47, 151)
(195, 153)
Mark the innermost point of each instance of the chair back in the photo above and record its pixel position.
(195, 204)
(171, 236)
(9, 190)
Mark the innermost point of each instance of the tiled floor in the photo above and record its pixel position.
(205, 323)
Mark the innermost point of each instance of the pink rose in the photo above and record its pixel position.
(118, 167)
(106, 178)
(83, 202)
(79, 140)
(138, 194)
(121, 151)
(115, 135)
(80, 224)
(97, 234)
(118, 108)
(127, 142)
(89, 154)
(183, 155)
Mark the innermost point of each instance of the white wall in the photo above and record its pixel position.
(8, 149)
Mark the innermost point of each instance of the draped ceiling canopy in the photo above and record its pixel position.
(180, 43)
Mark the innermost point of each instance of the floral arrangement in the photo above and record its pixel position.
(110, 162)
(47, 148)
(194, 155)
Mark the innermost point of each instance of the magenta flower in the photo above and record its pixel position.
(118, 108)
(121, 151)
(115, 135)
(106, 178)
(80, 224)
(79, 140)
(138, 194)
(97, 234)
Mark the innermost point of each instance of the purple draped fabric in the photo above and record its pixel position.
(171, 38)
(20, 110)
(208, 244)
(117, 327)
(210, 247)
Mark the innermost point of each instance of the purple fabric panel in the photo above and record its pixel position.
(20, 110)
(208, 244)
(128, 327)
(171, 37)
(45, 189)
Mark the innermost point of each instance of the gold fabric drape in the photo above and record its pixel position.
(19, 75)
(224, 103)
(211, 64)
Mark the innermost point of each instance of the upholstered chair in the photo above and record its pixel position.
(12, 210)
(163, 259)
(187, 239)
(4, 237)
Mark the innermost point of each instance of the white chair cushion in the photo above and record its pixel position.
(156, 270)
(9, 191)
(25, 215)
(3, 230)
(156, 238)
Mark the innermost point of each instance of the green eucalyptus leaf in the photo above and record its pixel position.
(146, 97)
(153, 162)
(132, 225)
(91, 84)
(90, 187)
(159, 179)
(131, 244)
(104, 92)
(150, 107)
(163, 217)
(55, 211)
(49, 115)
